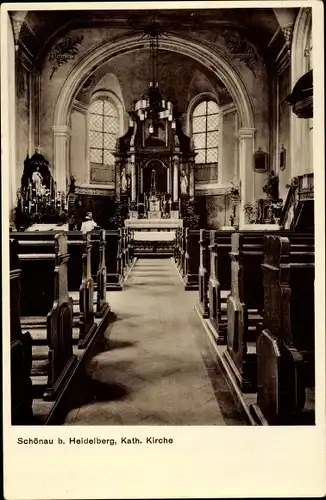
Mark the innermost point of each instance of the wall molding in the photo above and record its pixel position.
(80, 106)
(95, 190)
(213, 188)
(228, 109)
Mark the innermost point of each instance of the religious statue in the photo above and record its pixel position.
(124, 181)
(72, 186)
(184, 183)
(153, 182)
(176, 141)
(37, 180)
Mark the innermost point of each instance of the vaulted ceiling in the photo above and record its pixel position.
(35, 30)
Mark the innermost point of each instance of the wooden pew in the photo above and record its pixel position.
(125, 251)
(59, 323)
(191, 259)
(20, 350)
(244, 302)
(176, 249)
(98, 262)
(130, 247)
(75, 268)
(285, 348)
(219, 285)
(180, 252)
(204, 272)
(86, 295)
(47, 307)
(38, 242)
(113, 259)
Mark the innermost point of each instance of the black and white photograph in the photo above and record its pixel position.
(159, 183)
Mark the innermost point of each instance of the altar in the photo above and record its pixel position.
(154, 168)
(153, 236)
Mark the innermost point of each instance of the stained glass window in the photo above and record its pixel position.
(103, 131)
(205, 131)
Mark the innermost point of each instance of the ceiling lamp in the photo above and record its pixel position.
(152, 105)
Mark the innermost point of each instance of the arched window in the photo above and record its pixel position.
(205, 131)
(103, 131)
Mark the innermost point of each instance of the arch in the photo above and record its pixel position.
(211, 59)
(300, 37)
(154, 159)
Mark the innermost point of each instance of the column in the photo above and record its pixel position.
(133, 178)
(192, 178)
(117, 179)
(246, 172)
(175, 178)
(9, 110)
(168, 180)
(62, 135)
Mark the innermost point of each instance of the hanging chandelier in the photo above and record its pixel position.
(152, 106)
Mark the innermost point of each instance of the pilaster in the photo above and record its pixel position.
(61, 140)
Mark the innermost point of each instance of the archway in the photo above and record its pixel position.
(213, 60)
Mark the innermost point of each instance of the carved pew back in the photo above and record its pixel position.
(59, 322)
(220, 279)
(75, 246)
(182, 262)
(204, 271)
(37, 262)
(176, 249)
(98, 242)
(285, 348)
(44, 285)
(246, 294)
(86, 294)
(191, 258)
(130, 246)
(245, 304)
(113, 259)
(20, 350)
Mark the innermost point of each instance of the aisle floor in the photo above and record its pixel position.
(153, 366)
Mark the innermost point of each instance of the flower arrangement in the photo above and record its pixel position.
(293, 183)
(189, 216)
(235, 186)
(271, 187)
(250, 211)
(120, 215)
(39, 207)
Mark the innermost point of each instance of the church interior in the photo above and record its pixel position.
(161, 216)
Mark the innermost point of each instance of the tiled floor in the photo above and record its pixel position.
(153, 366)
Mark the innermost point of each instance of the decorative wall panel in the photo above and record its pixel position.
(206, 173)
(101, 174)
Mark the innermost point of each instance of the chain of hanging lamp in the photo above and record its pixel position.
(152, 105)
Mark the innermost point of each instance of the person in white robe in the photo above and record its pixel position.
(89, 224)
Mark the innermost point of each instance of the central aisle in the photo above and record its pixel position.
(153, 367)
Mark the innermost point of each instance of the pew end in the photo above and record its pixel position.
(280, 373)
